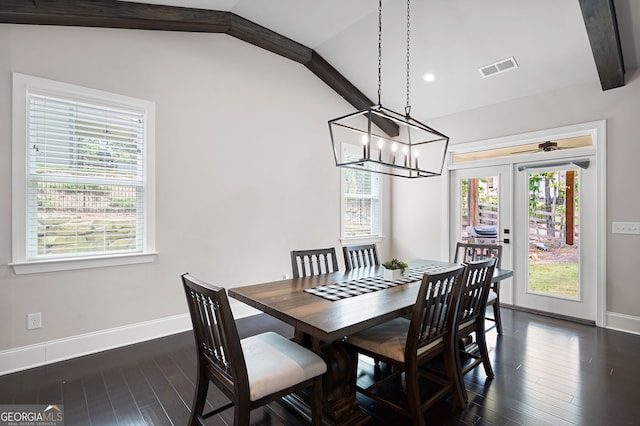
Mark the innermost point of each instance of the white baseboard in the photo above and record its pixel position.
(26, 357)
(622, 322)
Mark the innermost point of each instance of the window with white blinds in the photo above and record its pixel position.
(86, 181)
(360, 199)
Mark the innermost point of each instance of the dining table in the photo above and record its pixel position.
(324, 309)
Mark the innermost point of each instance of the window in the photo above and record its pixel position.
(360, 200)
(83, 177)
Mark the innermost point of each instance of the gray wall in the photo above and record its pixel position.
(244, 171)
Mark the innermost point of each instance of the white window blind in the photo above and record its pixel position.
(85, 178)
(361, 200)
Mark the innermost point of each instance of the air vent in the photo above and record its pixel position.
(498, 67)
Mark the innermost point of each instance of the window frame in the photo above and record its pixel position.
(359, 239)
(23, 85)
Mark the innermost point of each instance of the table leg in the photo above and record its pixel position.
(340, 405)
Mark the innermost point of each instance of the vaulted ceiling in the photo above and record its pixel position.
(555, 43)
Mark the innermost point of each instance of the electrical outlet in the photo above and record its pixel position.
(625, 228)
(34, 321)
(286, 276)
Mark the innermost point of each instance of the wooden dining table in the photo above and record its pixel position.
(322, 317)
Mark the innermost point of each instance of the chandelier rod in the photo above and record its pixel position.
(408, 106)
(379, 52)
(393, 155)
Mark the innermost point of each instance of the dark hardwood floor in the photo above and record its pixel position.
(548, 372)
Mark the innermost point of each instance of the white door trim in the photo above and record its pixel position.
(597, 131)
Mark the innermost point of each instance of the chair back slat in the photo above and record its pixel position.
(214, 341)
(470, 252)
(305, 263)
(360, 256)
(217, 339)
(434, 310)
(476, 284)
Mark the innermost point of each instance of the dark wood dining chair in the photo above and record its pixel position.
(466, 252)
(476, 286)
(360, 256)
(406, 344)
(250, 372)
(313, 262)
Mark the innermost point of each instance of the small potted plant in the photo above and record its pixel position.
(394, 269)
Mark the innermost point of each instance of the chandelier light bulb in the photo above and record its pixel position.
(365, 142)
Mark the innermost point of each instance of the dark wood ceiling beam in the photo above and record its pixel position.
(113, 14)
(349, 92)
(120, 14)
(602, 28)
(257, 35)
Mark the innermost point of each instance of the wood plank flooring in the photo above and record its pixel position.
(548, 372)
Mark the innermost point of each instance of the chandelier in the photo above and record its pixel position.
(380, 140)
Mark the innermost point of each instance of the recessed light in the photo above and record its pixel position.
(429, 77)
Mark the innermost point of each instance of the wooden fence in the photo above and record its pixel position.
(552, 231)
(541, 230)
(487, 215)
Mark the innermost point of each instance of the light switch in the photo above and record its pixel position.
(625, 228)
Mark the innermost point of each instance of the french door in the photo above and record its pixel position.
(481, 212)
(545, 219)
(555, 269)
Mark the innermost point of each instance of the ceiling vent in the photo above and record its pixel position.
(498, 67)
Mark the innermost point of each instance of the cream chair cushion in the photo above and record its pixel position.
(275, 363)
(388, 339)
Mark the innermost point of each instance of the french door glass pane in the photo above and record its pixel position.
(553, 233)
(479, 209)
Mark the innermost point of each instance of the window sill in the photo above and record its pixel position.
(54, 265)
(357, 241)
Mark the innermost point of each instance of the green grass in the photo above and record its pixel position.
(554, 278)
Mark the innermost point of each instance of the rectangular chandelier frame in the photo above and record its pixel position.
(416, 151)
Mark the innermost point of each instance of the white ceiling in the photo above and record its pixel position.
(449, 38)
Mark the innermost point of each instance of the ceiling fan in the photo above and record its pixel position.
(542, 147)
(548, 146)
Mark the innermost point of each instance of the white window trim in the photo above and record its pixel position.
(23, 84)
(358, 241)
(361, 239)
